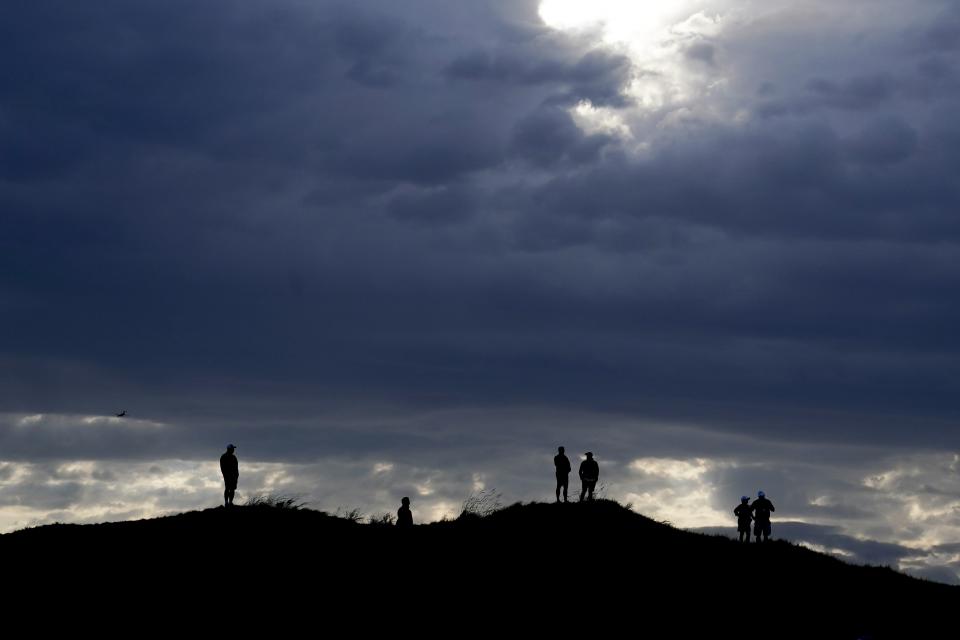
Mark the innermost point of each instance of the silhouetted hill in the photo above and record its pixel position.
(586, 570)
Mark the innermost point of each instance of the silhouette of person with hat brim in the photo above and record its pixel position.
(404, 515)
(761, 508)
(744, 517)
(230, 469)
(562, 464)
(589, 474)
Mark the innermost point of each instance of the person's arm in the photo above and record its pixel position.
(772, 507)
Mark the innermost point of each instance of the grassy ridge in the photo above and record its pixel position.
(550, 569)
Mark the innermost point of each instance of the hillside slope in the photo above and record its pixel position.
(554, 569)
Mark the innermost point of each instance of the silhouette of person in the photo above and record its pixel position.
(231, 473)
(762, 508)
(562, 463)
(589, 474)
(404, 516)
(744, 515)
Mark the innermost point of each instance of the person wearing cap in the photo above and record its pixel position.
(744, 516)
(404, 515)
(761, 508)
(589, 474)
(562, 464)
(230, 469)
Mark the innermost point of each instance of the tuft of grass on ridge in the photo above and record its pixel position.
(265, 501)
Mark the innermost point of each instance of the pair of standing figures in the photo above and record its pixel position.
(759, 513)
(589, 474)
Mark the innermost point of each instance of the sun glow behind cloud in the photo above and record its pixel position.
(626, 21)
(670, 45)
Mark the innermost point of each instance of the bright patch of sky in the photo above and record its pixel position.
(669, 43)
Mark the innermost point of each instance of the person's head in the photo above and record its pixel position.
(589, 455)
(560, 449)
(230, 448)
(744, 499)
(405, 502)
(760, 494)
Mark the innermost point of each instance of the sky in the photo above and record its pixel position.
(409, 248)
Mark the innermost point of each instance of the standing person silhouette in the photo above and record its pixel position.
(744, 515)
(762, 508)
(404, 515)
(230, 469)
(589, 474)
(562, 464)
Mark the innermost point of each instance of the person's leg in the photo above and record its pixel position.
(583, 490)
(590, 490)
(226, 499)
(559, 482)
(566, 484)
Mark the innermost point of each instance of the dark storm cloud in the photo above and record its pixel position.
(703, 52)
(442, 205)
(859, 93)
(63, 437)
(549, 136)
(333, 196)
(597, 76)
(885, 141)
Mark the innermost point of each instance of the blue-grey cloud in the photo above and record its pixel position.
(352, 198)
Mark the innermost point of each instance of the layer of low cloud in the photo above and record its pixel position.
(865, 504)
